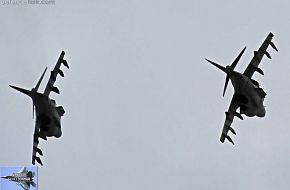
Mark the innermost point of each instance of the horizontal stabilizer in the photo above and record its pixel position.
(24, 91)
(217, 65)
(27, 184)
(33, 184)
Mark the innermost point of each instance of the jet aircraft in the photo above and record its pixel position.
(48, 114)
(24, 178)
(248, 95)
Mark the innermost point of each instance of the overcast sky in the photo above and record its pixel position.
(144, 110)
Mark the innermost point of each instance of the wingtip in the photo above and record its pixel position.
(271, 34)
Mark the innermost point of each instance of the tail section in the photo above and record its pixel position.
(38, 83)
(22, 90)
(33, 184)
(29, 92)
(228, 69)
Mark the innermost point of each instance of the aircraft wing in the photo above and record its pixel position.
(23, 170)
(35, 148)
(49, 87)
(258, 55)
(24, 185)
(230, 114)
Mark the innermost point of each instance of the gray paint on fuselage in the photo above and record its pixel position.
(246, 88)
(46, 108)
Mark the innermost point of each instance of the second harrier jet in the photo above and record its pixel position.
(248, 95)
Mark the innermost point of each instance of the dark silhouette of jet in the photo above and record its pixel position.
(248, 96)
(48, 114)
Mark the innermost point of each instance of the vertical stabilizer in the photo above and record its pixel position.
(38, 83)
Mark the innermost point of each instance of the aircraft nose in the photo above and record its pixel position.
(4, 177)
(262, 113)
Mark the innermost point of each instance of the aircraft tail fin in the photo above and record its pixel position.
(231, 68)
(33, 184)
(235, 62)
(39, 81)
(228, 69)
(31, 174)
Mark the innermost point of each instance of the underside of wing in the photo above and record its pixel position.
(35, 150)
(230, 114)
(258, 55)
(25, 185)
(49, 87)
(23, 170)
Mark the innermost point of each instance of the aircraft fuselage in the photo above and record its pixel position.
(21, 178)
(46, 112)
(251, 96)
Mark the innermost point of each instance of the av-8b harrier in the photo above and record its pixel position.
(248, 95)
(48, 114)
